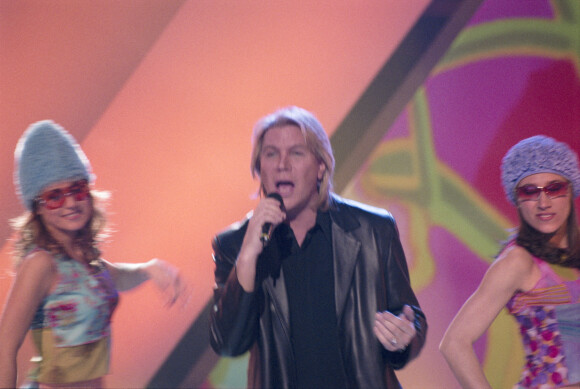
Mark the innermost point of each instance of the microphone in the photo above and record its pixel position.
(266, 233)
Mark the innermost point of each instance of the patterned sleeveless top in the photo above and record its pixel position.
(549, 321)
(71, 327)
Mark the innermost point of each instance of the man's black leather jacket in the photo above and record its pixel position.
(371, 275)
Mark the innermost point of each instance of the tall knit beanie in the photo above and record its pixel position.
(46, 154)
(538, 154)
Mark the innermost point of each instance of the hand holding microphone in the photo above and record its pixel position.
(267, 227)
(260, 230)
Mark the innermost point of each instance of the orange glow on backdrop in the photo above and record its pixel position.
(162, 95)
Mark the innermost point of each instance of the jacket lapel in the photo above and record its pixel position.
(277, 291)
(274, 284)
(345, 249)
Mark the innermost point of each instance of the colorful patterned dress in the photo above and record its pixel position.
(71, 328)
(549, 321)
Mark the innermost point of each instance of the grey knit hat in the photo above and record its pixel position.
(538, 154)
(46, 154)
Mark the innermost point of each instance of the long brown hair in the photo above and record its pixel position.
(31, 232)
(538, 243)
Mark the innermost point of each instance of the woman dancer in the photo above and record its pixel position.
(64, 291)
(541, 178)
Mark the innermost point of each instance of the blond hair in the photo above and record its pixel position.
(316, 140)
(31, 232)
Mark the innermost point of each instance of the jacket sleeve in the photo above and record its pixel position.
(398, 294)
(234, 317)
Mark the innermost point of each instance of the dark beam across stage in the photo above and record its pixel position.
(192, 359)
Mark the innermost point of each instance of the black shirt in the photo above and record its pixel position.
(309, 278)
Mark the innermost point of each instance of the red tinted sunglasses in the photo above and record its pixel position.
(54, 199)
(553, 190)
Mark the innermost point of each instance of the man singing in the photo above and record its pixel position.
(316, 287)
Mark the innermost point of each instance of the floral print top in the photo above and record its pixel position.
(549, 321)
(71, 327)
